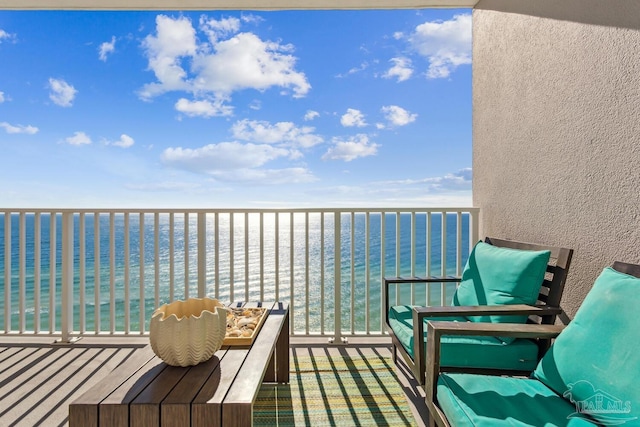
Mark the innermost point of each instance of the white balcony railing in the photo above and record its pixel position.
(78, 272)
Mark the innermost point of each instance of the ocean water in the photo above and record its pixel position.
(245, 264)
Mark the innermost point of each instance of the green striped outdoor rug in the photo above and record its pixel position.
(335, 391)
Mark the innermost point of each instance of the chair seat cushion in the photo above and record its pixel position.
(462, 351)
(493, 401)
(595, 361)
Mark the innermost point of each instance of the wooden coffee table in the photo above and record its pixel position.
(145, 391)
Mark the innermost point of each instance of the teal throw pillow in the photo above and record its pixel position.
(595, 362)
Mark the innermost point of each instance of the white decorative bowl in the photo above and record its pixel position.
(185, 333)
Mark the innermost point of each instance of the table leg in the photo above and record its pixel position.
(282, 352)
(270, 373)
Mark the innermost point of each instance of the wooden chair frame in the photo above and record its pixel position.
(543, 312)
(437, 329)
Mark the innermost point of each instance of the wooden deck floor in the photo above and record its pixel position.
(39, 379)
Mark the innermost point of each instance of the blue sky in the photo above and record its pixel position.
(235, 109)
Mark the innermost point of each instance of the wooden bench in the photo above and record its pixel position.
(145, 391)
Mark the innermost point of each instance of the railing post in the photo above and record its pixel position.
(474, 228)
(22, 260)
(7, 272)
(202, 254)
(66, 326)
(443, 255)
(385, 296)
(337, 288)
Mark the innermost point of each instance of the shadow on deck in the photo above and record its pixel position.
(38, 379)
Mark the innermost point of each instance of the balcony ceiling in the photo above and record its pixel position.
(230, 4)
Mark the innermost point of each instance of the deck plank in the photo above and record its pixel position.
(173, 411)
(20, 360)
(115, 407)
(37, 390)
(84, 410)
(206, 408)
(145, 408)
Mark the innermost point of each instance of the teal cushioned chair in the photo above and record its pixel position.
(589, 376)
(503, 281)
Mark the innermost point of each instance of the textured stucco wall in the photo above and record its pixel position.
(556, 128)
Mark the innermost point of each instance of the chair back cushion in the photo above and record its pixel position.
(497, 276)
(595, 361)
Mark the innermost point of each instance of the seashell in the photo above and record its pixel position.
(245, 321)
(242, 322)
(185, 333)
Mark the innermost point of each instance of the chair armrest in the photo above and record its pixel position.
(515, 330)
(419, 313)
(422, 279)
(411, 279)
(437, 329)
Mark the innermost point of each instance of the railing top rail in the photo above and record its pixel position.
(241, 210)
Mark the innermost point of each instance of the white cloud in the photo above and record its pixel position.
(266, 176)
(125, 141)
(240, 162)
(353, 118)
(310, 115)
(2, 98)
(225, 156)
(216, 29)
(449, 190)
(446, 44)
(6, 36)
(402, 69)
(79, 138)
(203, 108)
(283, 133)
(236, 162)
(30, 130)
(106, 48)
(219, 66)
(247, 62)
(398, 116)
(175, 39)
(62, 93)
(355, 70)
(355, 147)
(462, 177)
(250, 18)
(163, 186)
(458, 181)
(245, 160)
